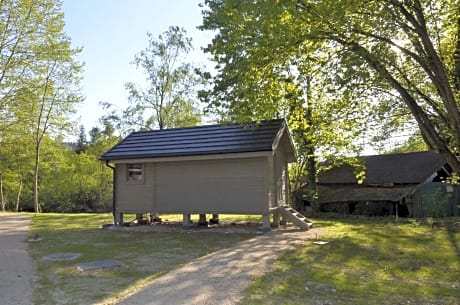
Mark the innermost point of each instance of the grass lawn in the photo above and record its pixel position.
(144, 256)
(368, 262)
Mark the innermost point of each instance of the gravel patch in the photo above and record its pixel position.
(17, 270)
(220, 277)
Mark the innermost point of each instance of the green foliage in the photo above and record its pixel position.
(69, 181)
(38, 74)
(435, 203)
(170, 97)
(82, 143)
(75, 182)
(360, 69)
(266, 68)
(412, 144)
(38, 88)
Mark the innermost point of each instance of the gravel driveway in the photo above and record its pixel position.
(17, 269)
(220, 277)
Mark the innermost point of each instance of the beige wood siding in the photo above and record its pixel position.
(135, 197)
(212, 186)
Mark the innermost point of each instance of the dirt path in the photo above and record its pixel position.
(17, 269)
(220, 277)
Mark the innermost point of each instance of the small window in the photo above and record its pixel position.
(135, 172)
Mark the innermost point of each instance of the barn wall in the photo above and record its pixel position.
(437, 199)
(212, 186)
(135, 197)
(414, 204)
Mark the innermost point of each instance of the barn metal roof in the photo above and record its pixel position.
(389, 177)
(200, 140)
(389, 169)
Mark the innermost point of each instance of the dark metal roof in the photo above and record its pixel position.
(390, 169)
(200, 140)
(356, 192)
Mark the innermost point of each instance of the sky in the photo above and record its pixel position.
(111, 32)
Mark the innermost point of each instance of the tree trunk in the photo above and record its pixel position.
(18, 197)
(311, 179)
(457, 55)
(2, 199)
(36, 168)
(430, 134)
(310, 149)
(433, 65)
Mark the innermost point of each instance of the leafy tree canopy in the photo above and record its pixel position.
(38, 77)
(387, 62)
(169, 100)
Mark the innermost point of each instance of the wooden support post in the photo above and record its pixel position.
(215, 219)
(186, 220)
(202, 220)
(155, 217)
(118, 219)
(276, 219)
(283, 220)
(265, 222)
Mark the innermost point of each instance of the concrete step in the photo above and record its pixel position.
(295, 217)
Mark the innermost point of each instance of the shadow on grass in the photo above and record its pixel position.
(366, 262)
(453, 237)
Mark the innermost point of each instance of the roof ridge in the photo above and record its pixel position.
(401, 153)
(412, 167)
(225, 124)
